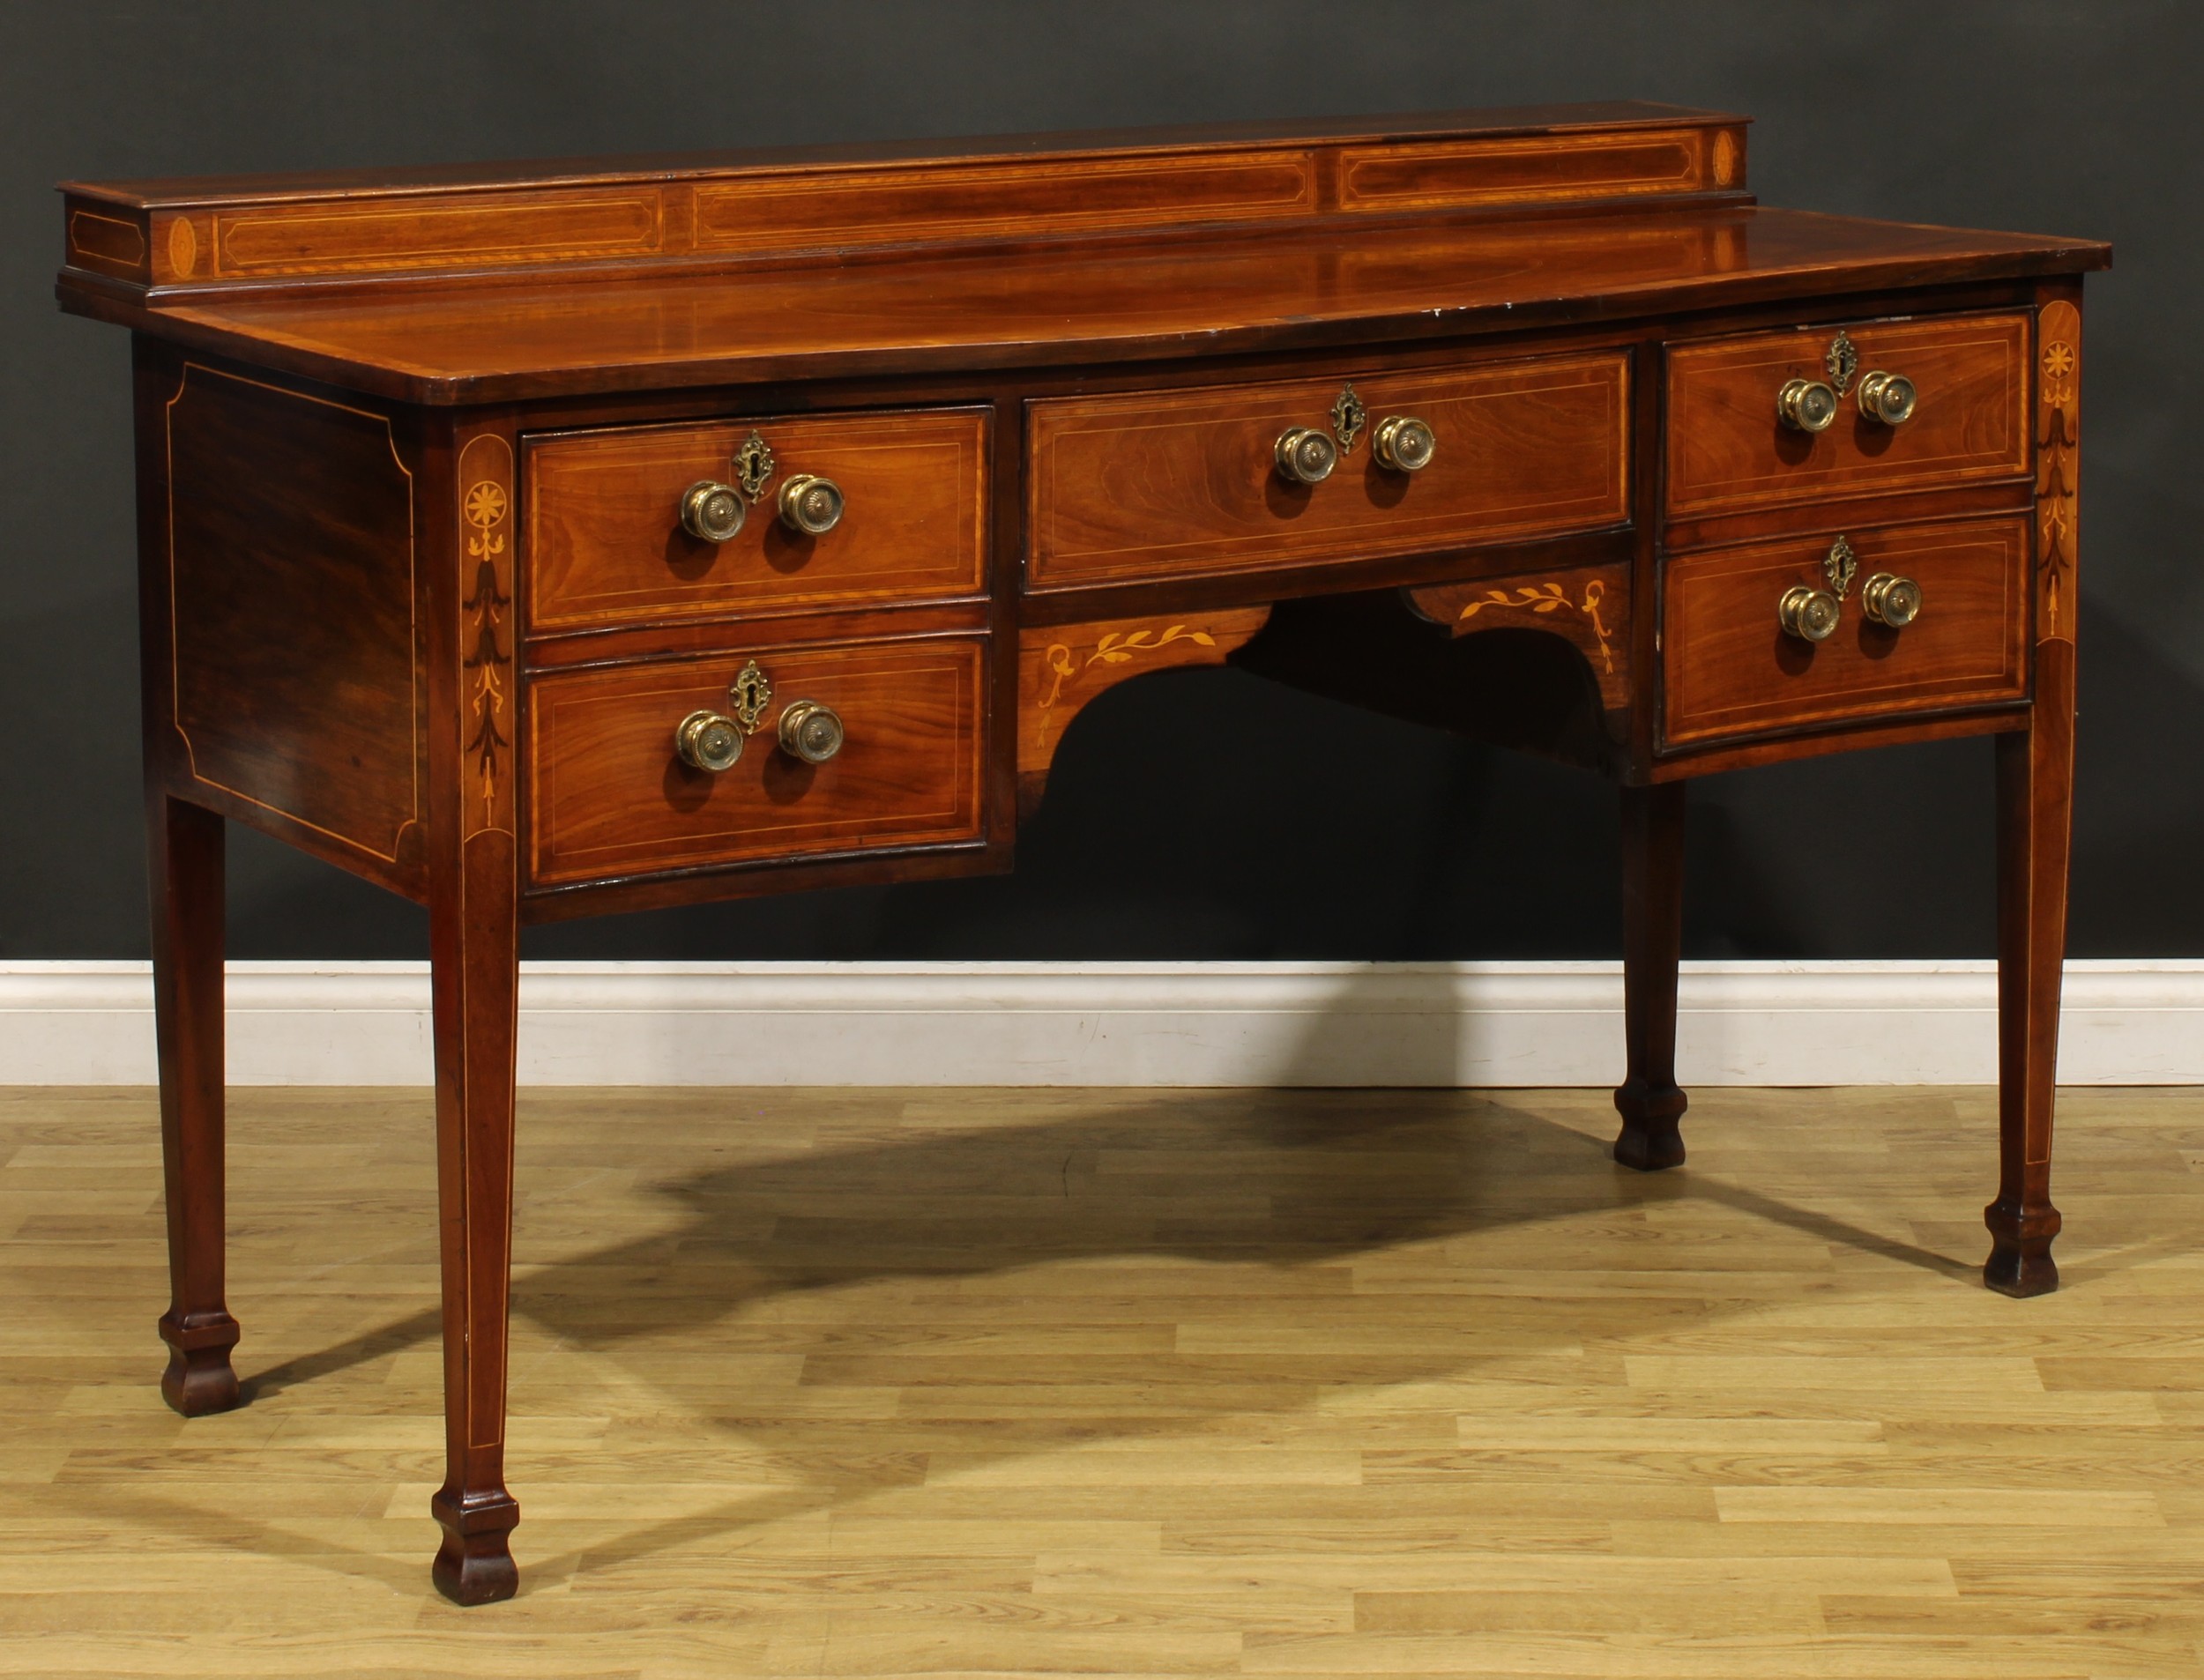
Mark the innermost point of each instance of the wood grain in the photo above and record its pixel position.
(186, 878)
(1727, 448)
(1385, 280)
(950, 204)
(291, 589)
(1542, 170)
(1649, 1099)
(609, 797)
(474, 943)
(2036, 839)
(1587, 606)
(1729, 668)
(2002, 718)
(607, 547)
(1125, 1383)
(1164, 485)
(463, 230)
(474, 975)
(657, 213)
(107, 240)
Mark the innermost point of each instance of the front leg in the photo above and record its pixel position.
(2035, 838)
(2035, 793)
(474, 946)
(184, 846)
(475, 950)
(1652, 947)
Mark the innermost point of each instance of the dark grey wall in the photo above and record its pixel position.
(1284, 826)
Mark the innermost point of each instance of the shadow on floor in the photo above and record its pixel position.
(1286, 1178)
(1321, 1176)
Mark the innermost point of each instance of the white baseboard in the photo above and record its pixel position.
(1120, 1024)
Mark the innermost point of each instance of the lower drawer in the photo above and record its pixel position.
(1728, 667)
(610, 796)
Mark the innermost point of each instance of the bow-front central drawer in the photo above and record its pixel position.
(635, 522)
(1150, 485)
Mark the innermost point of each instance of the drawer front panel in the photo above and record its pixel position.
(1728, 448)
(607, 545)
(1729, 668)
(609, 795)
(1175, 483)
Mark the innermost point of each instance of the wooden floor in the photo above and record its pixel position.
(1129, 1383)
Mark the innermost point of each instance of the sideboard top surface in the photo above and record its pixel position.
(1064, 307)
(504, 285)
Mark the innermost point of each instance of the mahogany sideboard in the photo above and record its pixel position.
(544, 540)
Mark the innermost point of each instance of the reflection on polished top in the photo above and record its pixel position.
(444, 286)
(1067, 304)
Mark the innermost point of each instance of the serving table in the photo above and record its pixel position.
(547, 540)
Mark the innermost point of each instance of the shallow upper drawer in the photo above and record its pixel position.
(1730, 668)
(607, 545)
(1729, 448)
(1154, 485)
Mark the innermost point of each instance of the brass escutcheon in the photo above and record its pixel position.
(754, 465)
(1838, 565)
(1842, 359)
(752, 691)
(1348, 417)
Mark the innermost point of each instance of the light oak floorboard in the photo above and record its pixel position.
(1128, 1384)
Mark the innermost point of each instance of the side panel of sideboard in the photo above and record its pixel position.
(280, 589)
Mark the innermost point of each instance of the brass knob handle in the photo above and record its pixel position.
(1809, 614)
(810, 505)
(1807, 405)
(711, 511)
(1888, 399)
(709, 741)
(1404, 444)
(1307, 456)
(1891, 600)
(810, 732)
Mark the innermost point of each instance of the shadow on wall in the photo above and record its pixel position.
(1200, 814)
(1313, 831)
(2139, 797)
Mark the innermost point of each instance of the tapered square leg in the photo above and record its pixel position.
(184, 845)
(1648, 1099)
(2034, 798)
(475, 951)
(474, 935)
(2035, 835)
